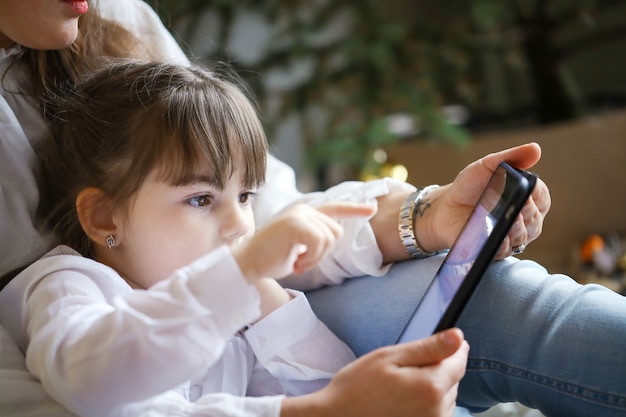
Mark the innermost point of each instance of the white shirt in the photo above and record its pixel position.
(101, 348)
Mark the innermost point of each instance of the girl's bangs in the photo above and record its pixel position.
(193, 151)
(206, 127)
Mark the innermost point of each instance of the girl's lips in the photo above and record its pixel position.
(79, 7)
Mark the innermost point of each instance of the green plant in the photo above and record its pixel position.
(362, 67)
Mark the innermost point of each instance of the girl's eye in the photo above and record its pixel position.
(245, 198)
(200, 200)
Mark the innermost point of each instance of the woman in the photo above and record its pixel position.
(511, 290)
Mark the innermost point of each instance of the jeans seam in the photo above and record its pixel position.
(575, 390)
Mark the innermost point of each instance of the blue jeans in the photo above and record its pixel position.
(540, 339)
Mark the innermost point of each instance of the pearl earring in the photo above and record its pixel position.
(110, 241)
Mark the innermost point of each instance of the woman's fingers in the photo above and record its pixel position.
(522, 157)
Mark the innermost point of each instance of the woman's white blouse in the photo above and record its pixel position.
(102, 348)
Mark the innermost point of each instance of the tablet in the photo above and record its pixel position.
(472, 252)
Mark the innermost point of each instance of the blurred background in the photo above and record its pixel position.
(417, 89)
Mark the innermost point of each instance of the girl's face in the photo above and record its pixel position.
(170, 226)
(40, 24)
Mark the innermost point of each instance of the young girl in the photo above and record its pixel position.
(148, 180)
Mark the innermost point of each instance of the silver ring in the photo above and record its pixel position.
(518, 249)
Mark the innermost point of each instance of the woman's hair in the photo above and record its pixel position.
(119, 124)
(97, 39)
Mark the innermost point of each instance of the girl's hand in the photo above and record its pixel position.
(418, 378)
(295, 241)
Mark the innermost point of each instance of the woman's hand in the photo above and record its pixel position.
(453, 204)
(418, 378)
(295, 240)
(449, 207)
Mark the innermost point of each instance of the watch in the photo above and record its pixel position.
(406, 222)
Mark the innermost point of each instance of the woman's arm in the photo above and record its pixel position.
(369, 245)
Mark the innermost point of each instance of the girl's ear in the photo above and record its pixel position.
(95, 214)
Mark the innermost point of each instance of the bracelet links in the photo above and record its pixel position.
(406, 222)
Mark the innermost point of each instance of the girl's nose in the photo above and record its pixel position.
(235, 224)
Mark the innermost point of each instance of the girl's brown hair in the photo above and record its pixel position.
(117, 125)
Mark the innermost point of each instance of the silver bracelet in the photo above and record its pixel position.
(406, 223)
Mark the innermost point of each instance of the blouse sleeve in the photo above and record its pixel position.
(212, 405)
(21, 394)
(357, 253)
(95, 343)
(297, 353)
